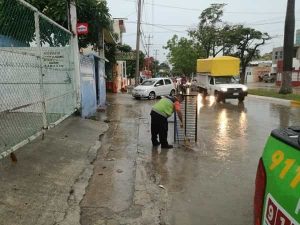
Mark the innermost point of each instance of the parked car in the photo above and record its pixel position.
(269, 77)
(153, 88)
(277, 185)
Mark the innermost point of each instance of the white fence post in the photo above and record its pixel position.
(39, 46)
(73, 16)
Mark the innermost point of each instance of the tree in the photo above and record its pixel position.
(182, 54)
(131, 64)
(247, 41)
(289, 31)
(266, 56)
(163, 69)
(12, 26)
(212, 35)
(14, 17)
(96, 14)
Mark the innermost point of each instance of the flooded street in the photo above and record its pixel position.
(212, 184)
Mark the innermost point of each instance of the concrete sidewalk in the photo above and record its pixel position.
(48, 182)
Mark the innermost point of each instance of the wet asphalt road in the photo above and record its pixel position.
(212, 184)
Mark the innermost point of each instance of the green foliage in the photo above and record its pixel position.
(247, 41)
(182, 54)
(14, 18)
(211, 32)
(96, 14)
(266, 56)
(131, 64)
(213, 37)
(164, 66)
(124, 48)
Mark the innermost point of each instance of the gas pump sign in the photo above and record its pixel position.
(282, 196)
(276, 215)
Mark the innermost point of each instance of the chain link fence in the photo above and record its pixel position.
(37, 86)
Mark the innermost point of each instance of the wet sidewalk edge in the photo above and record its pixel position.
(277, 100)
(47, 183)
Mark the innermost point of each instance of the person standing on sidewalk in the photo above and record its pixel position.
(160, 113)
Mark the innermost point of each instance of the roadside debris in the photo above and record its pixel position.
(162, 186)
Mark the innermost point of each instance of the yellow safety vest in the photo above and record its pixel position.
(164, 107)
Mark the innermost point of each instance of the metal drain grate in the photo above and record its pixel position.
(189, 109)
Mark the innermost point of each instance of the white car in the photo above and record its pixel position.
(154, 87)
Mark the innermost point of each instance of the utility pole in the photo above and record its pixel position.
(148, 52)
(155, 61)
(138, 35)
(73, 21)
(288, 49)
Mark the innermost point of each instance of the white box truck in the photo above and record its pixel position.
(216, 77)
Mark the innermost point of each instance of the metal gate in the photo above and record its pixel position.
(37, 81)
(189, 109)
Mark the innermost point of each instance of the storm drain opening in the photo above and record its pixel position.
(188, 133)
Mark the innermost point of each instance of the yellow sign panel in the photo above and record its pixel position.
(219, 66)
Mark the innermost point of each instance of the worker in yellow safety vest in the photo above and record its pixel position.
(159, 119)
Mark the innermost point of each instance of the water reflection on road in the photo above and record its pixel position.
(213, 184)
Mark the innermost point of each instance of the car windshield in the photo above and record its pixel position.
(148, 83)
(225, 80)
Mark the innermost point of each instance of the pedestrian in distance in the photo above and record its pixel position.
(160, 113)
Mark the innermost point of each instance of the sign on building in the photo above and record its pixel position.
(82, 28)
(125, 56)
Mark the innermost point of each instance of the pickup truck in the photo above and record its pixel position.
(277, 184)
(215, 77)
(269, 77)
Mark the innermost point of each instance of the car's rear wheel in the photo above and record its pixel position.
(241, 99)
(204, 93)
(172, 93)
(219, 97)
(152, 95)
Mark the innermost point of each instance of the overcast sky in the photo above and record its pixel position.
(162, 19)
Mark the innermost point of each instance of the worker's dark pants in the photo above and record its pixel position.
(159, 126)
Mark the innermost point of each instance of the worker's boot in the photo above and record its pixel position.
(167, 146)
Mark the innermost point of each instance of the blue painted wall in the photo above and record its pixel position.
(88, 87)
(102, 84)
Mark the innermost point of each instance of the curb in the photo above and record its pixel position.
(278, 100)
(295, 103)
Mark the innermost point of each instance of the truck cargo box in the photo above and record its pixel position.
(219, 66)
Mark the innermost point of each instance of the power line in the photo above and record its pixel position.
(193, 9)
(267, 23)
(181, 25)
(144, 41)
(157, 24)
(132, 13)
(156, 32)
